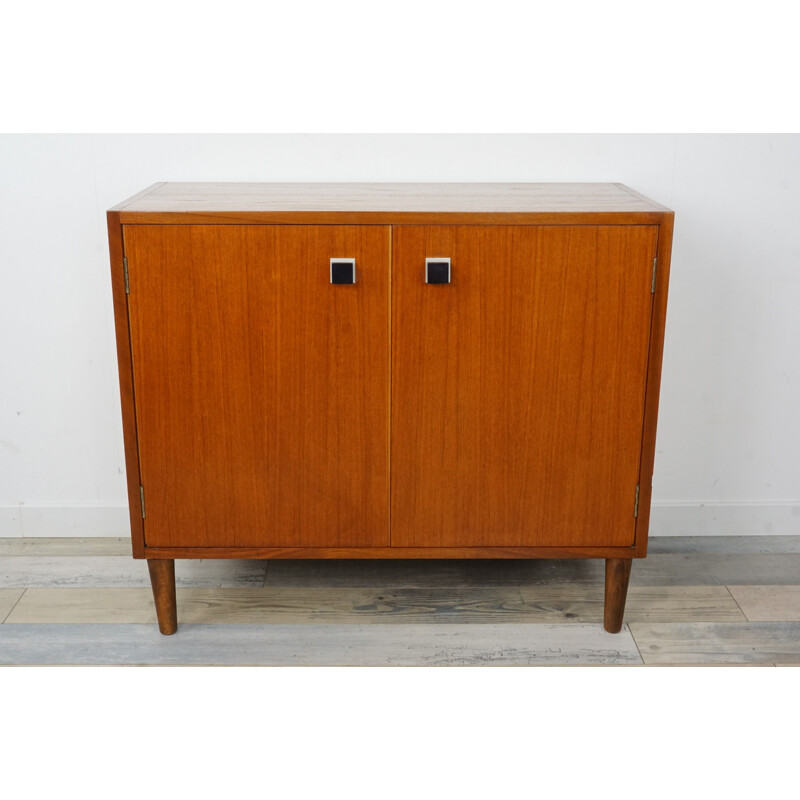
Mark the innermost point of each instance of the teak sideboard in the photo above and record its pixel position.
(389, 371)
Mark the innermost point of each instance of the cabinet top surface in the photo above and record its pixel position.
(385, 202)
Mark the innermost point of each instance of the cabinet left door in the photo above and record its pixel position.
(261, 388)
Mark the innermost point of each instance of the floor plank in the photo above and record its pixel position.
(310, 645)
(708, 569)
(355, 573)
(289, 605)
(419, 573)
(273, 605)
(680, 609)
(337, 605)
(8, 599)
(658, 545)
(718, 642)
(723, 544)
(768, 603)
(645, 603)
(50, 566)
(659, 570)
(82, 605)
(66, 546)
(124, 571)
(679, 569)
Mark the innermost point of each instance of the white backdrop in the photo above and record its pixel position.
(728, 454)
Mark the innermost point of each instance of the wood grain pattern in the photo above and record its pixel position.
(659, 545)
(724, 545)
(8, 599)
(272, 605)
(317, 645)
(653, 385)
(656, 570)
(390, 552)
(675, 604)
(124, 365)
(768, 603)
(85, 605)
(123, 571)
(137, 197)
(262, 390)
(393, 218)
(618, 573)
(718, 642)
(162, 578)
(81, 546)
(701, 569)
(386, 218)
(390, 203)
(518, 389)
(434, 572)
(671, 622)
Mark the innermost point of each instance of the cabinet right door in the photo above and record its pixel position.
(518, 388)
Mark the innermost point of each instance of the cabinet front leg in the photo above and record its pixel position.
(618, 573)
(162, 578)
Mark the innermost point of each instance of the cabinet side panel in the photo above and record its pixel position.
(518, 389)
(654, 381)
(121, 325)
(261, 388)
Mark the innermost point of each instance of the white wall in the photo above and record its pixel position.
(728, 455)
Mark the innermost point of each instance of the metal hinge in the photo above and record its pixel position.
(653, 281)
(141, 497)
(127, 281)
(635, 503)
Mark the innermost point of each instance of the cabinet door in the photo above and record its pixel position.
(518, 388)
(261, 389)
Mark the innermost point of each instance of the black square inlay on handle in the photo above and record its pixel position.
(343, 270)
(437, 270)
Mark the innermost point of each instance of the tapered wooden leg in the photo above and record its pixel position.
(618, 573)
(162, 578)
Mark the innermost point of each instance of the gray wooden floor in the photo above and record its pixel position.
(692, 601)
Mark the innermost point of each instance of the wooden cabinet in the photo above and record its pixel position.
(389, 371)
